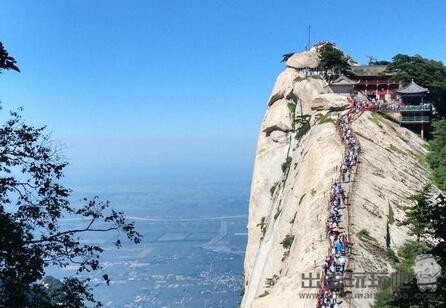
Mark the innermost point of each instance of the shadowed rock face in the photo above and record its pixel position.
(330, 102)
(294, 168)
(307, 59)
(279, 119)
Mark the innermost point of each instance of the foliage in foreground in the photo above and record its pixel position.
(6, 61)
(32, 237)
(32, 202)
(427, 221)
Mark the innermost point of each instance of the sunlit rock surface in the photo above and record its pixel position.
(292, 198)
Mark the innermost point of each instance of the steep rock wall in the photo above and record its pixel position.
(291, 198)
(389, 173)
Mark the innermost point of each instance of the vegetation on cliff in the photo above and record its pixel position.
(417, 215)
(426, 219)
(388, 296)
(425, 214)
(437, 154)
(333, 60)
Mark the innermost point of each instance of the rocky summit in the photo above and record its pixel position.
(298, 158)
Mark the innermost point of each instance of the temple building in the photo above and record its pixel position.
(374, 82)
(343, 84)
(415, 112)
(407, 104)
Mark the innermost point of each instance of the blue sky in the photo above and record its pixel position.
(181, 85)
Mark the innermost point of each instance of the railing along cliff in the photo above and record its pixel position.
(338, 262)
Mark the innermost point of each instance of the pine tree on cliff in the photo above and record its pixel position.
(333, 62)
(436, 157)
(426, 218)
(418, 216)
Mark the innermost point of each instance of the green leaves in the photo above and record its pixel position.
(436, 158)
(32, 201)
(426, 219)
(425, 72)
(287, 241)
(419, 216)
(6, 61)
(333, 59)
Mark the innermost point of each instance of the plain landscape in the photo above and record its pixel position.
(192, 251)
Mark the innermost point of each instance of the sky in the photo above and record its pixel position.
(155, 88)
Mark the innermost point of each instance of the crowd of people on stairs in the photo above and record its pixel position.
(332, 285)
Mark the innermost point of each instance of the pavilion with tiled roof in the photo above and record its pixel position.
(342, 84)
(414, 110)
(412, 89)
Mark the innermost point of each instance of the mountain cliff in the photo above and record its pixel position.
(297, 159)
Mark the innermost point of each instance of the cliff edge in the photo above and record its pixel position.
(297, 159)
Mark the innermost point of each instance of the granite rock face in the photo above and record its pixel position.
(297, 159)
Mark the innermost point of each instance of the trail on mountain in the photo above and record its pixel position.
(333, 278)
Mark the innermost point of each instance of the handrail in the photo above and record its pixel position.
(398, 108)
(405, 118)
(416, 107)
(352, 115)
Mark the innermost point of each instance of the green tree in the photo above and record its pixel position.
(333, 60)
(32, 202)
(6, 61)
(427, 73)
(404, 295)
(287, 241)
(436, 158)
(408, 294)
(419, 216)
(379, 62)
(52, 293)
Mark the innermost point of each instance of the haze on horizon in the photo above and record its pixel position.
(175, 85)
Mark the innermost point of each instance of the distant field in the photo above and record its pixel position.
(191, 254)
(201, 236)
(186, 236)
(172, 236)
